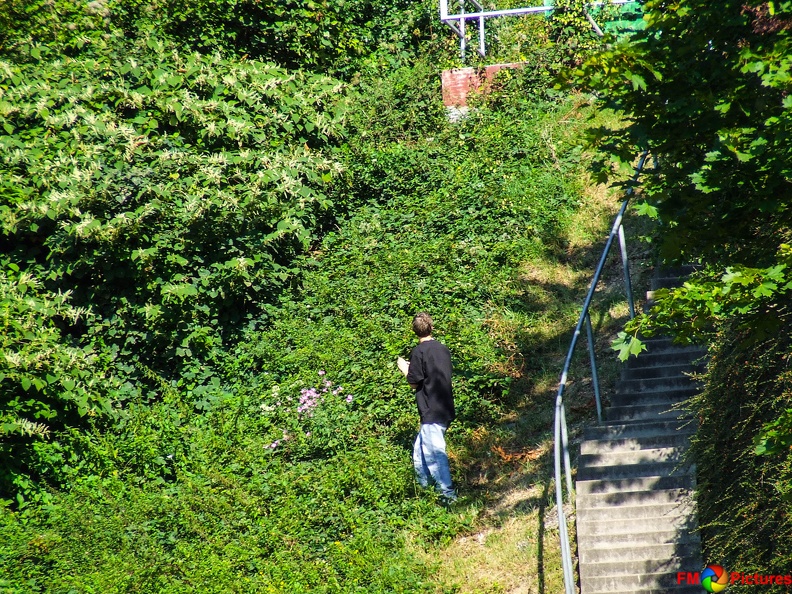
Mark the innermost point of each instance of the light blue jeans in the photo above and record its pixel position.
(431, 461)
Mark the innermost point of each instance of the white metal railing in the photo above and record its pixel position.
(457, 22)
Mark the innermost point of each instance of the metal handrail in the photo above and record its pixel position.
(561, 437)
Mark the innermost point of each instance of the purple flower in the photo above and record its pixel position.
(321, 372)
(349, 398)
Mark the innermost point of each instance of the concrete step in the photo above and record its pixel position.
(656, 384)
(658, 496)
(643, 412)
(654, 343)
(678, 270)
(639, 578)
(629, 457)
(683, 391)
(671, 356)
(634, 471)
(639, 430)
(664, 344)
(597, 532)
(657, 371)
(626, 552)
(660, 535)
(671, 396)
(664, 440)
(635, 483)
(666, 282)
(634, 569)
(634, 513)
(678, 590)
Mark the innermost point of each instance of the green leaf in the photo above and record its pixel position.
(627, 345)
(636, 346)
(646, 209)
(638, 81)
(766, 289)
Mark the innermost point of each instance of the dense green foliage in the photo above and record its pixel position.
(332, 37)
(208, 264)
(152, 172)
(136, 185)
(705, 88)
(746, 502)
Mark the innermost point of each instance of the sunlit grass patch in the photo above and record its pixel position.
(513, 547)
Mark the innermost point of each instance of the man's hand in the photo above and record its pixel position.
(404, 365)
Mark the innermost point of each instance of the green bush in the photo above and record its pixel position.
(138, 183)
(228, 229)
(744, 501)
(47, 381)
(272, 527)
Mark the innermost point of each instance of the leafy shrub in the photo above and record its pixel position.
(684, 84)
(744, 499)
(328, 36)
(47, 382)
(49, 22)
(231, 228)
(143, 192)
(257, 525)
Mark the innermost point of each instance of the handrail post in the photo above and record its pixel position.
(569, 575)
(565, 449)
(482, 50)
(462, 40)
(563, 533)
(626, 266)
(482, 47)
(594, 375)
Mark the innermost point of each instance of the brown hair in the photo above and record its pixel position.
(422, 324)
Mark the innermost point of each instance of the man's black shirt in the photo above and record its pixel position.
(430, 371)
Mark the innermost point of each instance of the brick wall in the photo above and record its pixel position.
(458, 83)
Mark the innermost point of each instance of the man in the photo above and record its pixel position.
(429, 374)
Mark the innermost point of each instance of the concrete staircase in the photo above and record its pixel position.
(636, 520)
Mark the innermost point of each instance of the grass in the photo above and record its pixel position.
(332, 511)
(513, 546)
